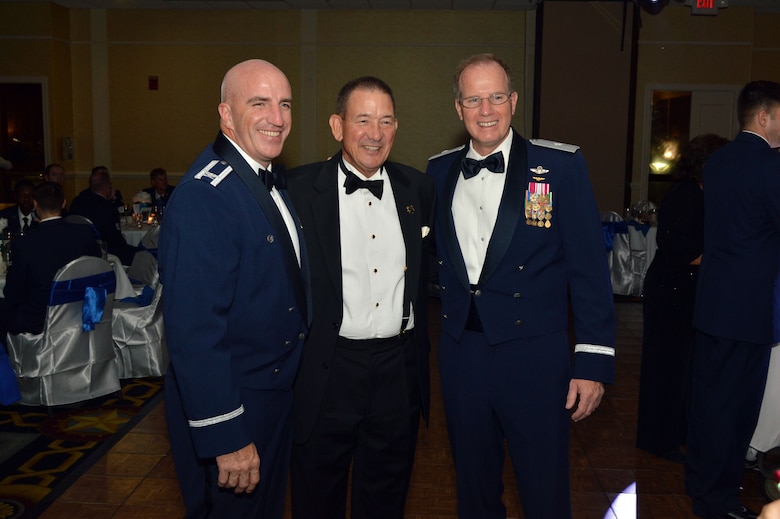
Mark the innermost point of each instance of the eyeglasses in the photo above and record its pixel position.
(496, 98)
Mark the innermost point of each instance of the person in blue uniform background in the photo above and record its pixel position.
(236, 306)
(734, 309)
(517, 230)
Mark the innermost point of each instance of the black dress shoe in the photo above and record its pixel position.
(739, 513)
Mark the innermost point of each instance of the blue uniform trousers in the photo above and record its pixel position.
(514, 391)
(728, 386)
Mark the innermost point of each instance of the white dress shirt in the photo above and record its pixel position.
(292, 230)
(373, 261)
(475, 209)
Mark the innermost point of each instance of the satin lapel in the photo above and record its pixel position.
(448, 231)
(511, 210)
(411, 227)
(325, 215)
(225, 149)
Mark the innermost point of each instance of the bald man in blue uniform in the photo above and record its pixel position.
(236, 307)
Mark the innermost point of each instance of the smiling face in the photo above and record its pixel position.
(487, 124)
(367, 129)
(256, 109)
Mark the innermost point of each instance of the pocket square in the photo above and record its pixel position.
(425, 231)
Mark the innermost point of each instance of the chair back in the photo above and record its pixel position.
(72, 359)
(83, 220)
(138, 330)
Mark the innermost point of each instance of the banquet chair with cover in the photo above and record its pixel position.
(72, 360)
(137, 324)
(618, 249)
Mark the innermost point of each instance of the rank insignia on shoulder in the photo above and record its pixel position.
(446, 152)
(214, 172)
(571, 148)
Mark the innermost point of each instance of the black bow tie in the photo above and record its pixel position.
(471, 167)
(353, 183)
(274, 178)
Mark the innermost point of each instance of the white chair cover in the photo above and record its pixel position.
(67, 362)
(618, 248)
(139, 332)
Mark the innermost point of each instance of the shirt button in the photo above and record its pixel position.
(276, 371)
(291, 309)
(518, 322)
(516, 295)
(301, 336)
(520, 267)
(287, 343)
(477, 293)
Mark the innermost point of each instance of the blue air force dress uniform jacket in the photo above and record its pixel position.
(530, 266)
(236, 308)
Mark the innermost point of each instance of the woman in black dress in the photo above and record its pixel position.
(669, 293)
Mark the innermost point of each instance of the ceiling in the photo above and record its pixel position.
(457, 5)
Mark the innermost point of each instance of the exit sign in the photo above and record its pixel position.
(704, 7)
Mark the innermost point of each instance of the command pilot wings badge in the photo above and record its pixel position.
(213, 174)
(539, 170)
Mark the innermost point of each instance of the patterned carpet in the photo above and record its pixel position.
(42, 453)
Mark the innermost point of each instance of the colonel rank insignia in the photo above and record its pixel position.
(538, 205)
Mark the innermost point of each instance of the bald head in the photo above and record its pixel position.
(256, 109)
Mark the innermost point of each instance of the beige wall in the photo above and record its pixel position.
(97, 63)
(730, 49)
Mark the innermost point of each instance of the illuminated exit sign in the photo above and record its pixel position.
(704, 7)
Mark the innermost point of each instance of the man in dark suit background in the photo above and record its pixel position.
(364, 375)
(517, 232)
(21, 217)
(734, 303)
(37, 256)
(95, 203)
(160, 190)
(236, 307)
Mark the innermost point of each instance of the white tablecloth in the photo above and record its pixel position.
(133, 235)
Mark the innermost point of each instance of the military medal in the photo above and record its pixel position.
(538, 205)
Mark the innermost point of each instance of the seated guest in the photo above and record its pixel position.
(115, 197)
(35, 259)
(160, 190)
(22, 215)
(54, 173)
(95, 203)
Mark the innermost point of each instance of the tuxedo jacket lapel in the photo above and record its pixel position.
(326, 208)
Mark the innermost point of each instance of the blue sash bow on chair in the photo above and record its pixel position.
(610, 230)
(92, 290)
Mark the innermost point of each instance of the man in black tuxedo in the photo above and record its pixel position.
(734, 309)
(37, 256)
(21, 217)
(363, 381)
(95, 203)
(161, 190)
